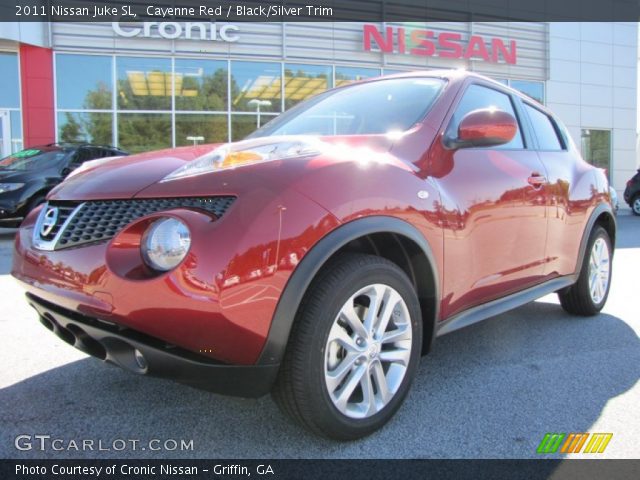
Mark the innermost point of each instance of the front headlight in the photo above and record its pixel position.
(246, 153)
(165, 244)
(10, 187)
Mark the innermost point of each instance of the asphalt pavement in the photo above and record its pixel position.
(492, 390)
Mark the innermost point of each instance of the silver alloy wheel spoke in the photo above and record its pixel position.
(381, 383)
(368, 351)
(345, 392)
(599, 265)
(350, 316)
(398, 356)
(636, 205)
(368, 396)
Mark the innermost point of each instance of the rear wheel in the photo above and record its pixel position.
(354, 348)
(589, 294)
(635, 205)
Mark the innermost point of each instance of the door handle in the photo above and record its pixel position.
(536, 180)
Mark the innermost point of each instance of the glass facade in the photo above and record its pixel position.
(596, 148)
(534, 90)
(144, 103)
(10, 100)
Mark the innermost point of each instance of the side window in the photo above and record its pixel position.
(81, 156)
(98, 153)
(544, 129)
(478, 97)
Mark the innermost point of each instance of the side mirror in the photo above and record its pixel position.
(484, 128)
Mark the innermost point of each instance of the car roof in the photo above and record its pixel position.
(460, 75)
(68, 146)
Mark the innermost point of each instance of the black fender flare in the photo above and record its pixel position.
(312, 262)
(595, 214)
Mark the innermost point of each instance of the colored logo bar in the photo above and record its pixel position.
(574, 443)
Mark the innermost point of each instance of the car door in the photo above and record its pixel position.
(566, 218)
(493, 206)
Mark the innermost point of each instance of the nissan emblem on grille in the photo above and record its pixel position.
(75, 224)
(49, 221)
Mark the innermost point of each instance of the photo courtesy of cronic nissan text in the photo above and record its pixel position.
(315, 239)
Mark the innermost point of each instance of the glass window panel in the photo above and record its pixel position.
(391, 71)
(544, 129)
(255, 86)
(534, 90)
(194, 129)
(9, 81)
(304, 81)
(16, 131)
(596, 148)
(243, 125)
(142, 132)
(368, 108)
(477, 97)
(93, 127)
(346, 75)
(84, 82)
(201, 85)
(144, 83)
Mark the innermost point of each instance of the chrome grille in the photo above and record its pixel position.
(64, 212)
(100, 220)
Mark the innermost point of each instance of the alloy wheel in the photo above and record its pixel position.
(599, 270)
(636, 206)
(368, 351)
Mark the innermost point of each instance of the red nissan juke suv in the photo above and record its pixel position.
(319, 258)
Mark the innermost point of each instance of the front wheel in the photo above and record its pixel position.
(589, 294)
(354, 348)
(635, 205)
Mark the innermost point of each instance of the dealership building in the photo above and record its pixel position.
(161, 84)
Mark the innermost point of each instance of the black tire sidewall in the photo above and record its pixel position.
(34, 203)
(337, 424)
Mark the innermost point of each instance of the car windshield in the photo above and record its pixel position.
(32, 159)
(378, 107)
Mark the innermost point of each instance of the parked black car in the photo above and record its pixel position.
(632, 193)
(27, 176)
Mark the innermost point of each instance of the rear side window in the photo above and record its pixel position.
(544, 129)
(477, 97)
(81, 156)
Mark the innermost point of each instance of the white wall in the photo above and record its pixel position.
(593, 83)
(33, 33)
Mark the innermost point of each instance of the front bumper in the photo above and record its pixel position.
(145, 355)
(10, 214)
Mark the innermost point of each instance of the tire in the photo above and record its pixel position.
(311, 360)
(33, 204)
(579, 299)
(635, 204)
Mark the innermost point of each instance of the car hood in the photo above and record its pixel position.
(139, 175)
(123, 177)
(14, 176)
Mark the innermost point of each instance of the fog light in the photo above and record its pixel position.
(140, 360)
(165, 244)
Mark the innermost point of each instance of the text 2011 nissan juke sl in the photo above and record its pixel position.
(320, 258)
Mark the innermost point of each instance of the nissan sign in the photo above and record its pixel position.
(422, 42)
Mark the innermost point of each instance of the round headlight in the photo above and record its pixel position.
(165, 244)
